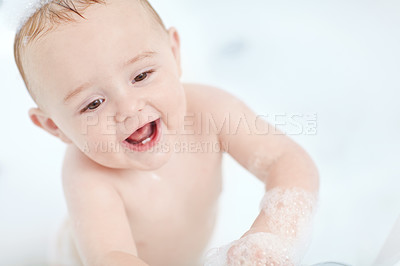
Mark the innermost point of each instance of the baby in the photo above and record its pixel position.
(142, 171)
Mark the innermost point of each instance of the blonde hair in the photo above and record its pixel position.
(51, 15)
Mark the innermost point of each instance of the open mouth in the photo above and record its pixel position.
(145, 137)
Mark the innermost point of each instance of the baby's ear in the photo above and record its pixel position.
(175, 46)
(40, 119)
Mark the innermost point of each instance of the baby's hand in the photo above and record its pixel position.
(260, 249)
(280, 237)
(255, 248)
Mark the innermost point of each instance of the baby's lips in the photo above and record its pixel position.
(128, 133)
(148, 141)
(141, 133)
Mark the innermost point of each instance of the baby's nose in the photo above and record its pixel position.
(126, 109)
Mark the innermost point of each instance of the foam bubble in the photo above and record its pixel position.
(217, 256)
(290, 212)
(261, 249)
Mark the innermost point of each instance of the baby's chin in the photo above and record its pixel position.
(125, 160)
(153, 163)
(148, 161)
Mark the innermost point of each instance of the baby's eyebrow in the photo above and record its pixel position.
(76, 91)
(131, 61)
(138, 57)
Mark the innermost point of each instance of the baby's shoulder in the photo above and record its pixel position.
(78, 168)
(205, 98)
(212, 109)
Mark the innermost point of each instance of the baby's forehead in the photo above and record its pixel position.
(121, 20)
(132, 13)
(54, 21)
(88, 47)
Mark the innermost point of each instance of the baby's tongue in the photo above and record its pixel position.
(141, 134)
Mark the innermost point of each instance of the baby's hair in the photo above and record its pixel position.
(52, 14)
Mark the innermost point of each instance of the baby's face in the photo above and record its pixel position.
(130, 71)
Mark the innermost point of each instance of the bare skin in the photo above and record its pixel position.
(146, 207)
(173, 204)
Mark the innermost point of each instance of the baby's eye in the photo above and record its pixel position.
(142, 76)
(93, 105)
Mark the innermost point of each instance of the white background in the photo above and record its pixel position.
(336, 59)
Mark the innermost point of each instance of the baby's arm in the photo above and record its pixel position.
(97, 213)
(291, 182)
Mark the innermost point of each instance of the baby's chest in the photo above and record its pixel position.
(190, 184)
(177, 205)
